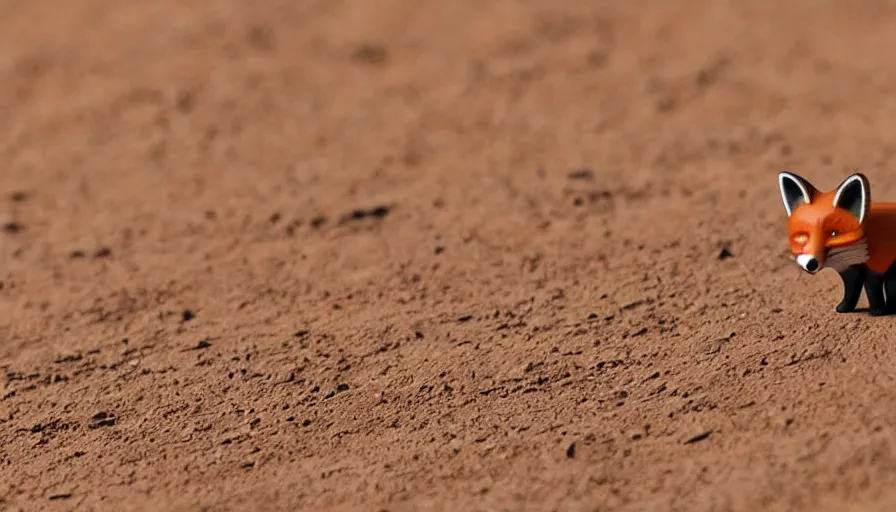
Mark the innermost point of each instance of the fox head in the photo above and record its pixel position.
(826, 228)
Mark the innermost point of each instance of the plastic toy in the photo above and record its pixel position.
(842, 229)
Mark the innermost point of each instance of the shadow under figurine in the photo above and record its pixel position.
(843, 230)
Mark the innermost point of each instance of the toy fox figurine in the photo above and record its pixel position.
(842, 229)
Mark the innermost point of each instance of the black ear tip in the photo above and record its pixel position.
(858, 178)
(786, 179)
(857, 175)
(785, 176)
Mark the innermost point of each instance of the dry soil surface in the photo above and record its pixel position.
(451, 255)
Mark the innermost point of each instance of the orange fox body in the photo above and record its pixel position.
(844, 230)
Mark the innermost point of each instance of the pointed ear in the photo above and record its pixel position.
(794, 191)
(854, 196)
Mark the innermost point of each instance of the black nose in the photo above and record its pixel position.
(812, 265)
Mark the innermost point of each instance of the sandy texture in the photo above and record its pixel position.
(450, 255)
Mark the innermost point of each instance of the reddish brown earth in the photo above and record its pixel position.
(528, 312)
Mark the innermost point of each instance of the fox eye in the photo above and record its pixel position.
(801, 238)
(834, 233)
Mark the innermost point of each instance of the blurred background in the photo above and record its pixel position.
(502, 252)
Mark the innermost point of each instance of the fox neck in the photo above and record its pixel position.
(841, 258)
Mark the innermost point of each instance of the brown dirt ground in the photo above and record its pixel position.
(528, 311)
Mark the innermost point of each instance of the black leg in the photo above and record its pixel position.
(874, 289)
(853, 279)
(890, 288)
